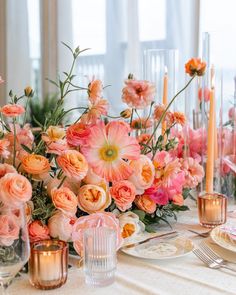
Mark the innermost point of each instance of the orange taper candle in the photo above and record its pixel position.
(211, 138)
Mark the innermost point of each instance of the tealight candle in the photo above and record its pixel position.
(212, 208)
(48, 264)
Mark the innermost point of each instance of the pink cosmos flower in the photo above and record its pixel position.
(158, 195)
(6, 168)
(101, 219)
(15, 189)
(194, 172)
(77, 134)
(9, 229)
(106, 150)
(38, 231)
(123, 192)
(73, 164)
(96, 110)
(4, 144)
(60, 226)
(138, 94)
(12, 110)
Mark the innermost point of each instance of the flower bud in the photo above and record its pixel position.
(126, 113)
(29, 91)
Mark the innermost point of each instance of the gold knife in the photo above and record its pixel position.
(169, 234)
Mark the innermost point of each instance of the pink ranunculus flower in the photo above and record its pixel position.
(57, 147)
(123, 192)
(232, 113)
(107, 151)
(38, 231)
(73, 164)
(194, 172)
(145, 203)
(77, 134)
(95, 90)
(9, 229)
(158, 195)
(4, 152)
(138, 94)
(93, 198)
(143, 173)
(60, 226)
(6, 168)
(12, 110)
(15, 189)
(65, 200)
(100, 219)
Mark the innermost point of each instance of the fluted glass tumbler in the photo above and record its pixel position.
(99, 256)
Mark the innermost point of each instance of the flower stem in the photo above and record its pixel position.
(164, 113)
(26, 106)
(62, 181)
(14, 143)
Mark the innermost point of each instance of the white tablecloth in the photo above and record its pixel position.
(183, 276)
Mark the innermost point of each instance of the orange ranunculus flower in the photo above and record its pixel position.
(65, 200)
(195, 66)
(35, 164)
(12, 110)
(73, 164)
(145, 203)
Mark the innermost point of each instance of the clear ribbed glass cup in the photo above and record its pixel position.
(99, 256)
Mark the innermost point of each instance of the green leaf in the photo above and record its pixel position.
(141, 214)
(68, 47)
(28, 150)
(53, 82)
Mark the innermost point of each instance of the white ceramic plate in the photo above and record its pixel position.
(160, 249)
(222, 239)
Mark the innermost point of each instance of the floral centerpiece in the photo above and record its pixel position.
(97, 171)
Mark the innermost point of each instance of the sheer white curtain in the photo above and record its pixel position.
(15, 47)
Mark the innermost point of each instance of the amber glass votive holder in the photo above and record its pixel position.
(48, 264)
(212, 209)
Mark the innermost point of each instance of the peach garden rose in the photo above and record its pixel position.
(65, 200)
(15, 189)
(130, 224)
(93, 198)
(38, 231)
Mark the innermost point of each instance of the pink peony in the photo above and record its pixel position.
(4, 144)
(12, 110)
(9, 229)
(77, 134)
(15, 189)
(143, 173)
(158, 195)
(38, 231)
(194, 172)
(60, 226)
(73, 164)
(138, 94)
(65, 200)
(101, 219)
(123, 192)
